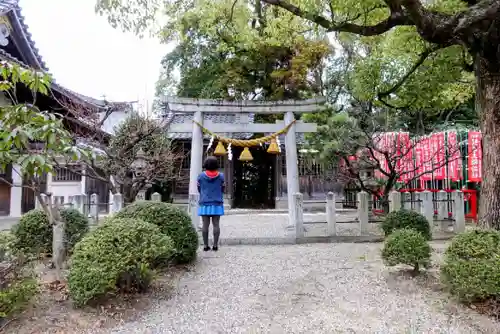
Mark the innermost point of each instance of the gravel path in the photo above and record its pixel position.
(319, 288)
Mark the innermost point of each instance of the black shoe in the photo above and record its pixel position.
(206, 249)
(215, 248)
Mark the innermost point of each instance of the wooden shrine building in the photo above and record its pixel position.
(17, 46)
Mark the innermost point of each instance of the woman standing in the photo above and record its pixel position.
(211, 205)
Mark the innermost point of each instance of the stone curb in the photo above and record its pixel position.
(312, 240)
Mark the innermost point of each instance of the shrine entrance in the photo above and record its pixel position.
(230, 124)
(254, 181)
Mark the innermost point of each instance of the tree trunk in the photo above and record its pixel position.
(488, 101)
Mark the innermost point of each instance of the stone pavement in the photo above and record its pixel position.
(271, 228)
(6, 223)
(320, 288)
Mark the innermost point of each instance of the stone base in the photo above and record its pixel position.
(183, 203)
(313, 205)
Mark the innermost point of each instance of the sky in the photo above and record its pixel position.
(85, 54)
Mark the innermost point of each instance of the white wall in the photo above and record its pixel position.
(66, 189)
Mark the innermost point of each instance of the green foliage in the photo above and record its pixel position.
(406, 219)
(172, 221)
(33, 234)
(133, 134)
(16, 295)
(471, 269)
(118, 255)
(7, 240)
(407, 246)
(16, 287)
(224, 66)
(24, 123)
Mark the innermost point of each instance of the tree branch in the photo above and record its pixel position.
(396, 18)
(421, 59)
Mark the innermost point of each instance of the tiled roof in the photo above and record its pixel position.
(185, 118)
(7, 5)
(180, 118)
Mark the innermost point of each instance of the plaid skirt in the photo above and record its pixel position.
(211, 210)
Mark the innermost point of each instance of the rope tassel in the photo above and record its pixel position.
(246, 155)
(220, 150)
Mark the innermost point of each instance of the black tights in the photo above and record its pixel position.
(206, 225)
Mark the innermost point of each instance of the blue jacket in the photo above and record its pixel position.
(211, 189)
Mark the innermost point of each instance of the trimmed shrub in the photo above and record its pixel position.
(172, 221)
(34, 233)
(406, 219)
(16, 286)
(118, 255)
(16, 295)
(6, 242)
(407, 246)
(471, 269)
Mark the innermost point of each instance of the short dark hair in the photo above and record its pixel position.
(211, 163)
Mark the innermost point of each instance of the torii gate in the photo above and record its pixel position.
(243, 108)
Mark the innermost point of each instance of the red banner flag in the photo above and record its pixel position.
(454, 157)
(381, 144)
(438, 156)
(426, 160)
(475, 161)
(405, 162)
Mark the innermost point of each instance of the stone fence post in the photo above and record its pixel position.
(156, 197)
(193, 209)
(427, 207)
(406, 198)
(141, 195)
(79, 202)
(394, 201)
(363, 212)
(331, 214)
(298, 215)
(94, 208)
(442, 205)
(459, 225)
(116, 203)
(417, 201)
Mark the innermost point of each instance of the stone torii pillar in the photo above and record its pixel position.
(292, 168)
(196, 167)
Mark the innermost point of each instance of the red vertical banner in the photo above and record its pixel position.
(383, 144)
(426, 160)
(405, 154)
(391, 144)
(438, 156)
(454, 157)
(475, 161)
(419, 151)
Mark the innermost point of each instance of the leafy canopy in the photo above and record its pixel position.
(396, 67)
(30, 137)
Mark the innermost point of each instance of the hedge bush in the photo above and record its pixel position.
(407, 246)
(16, 295)
(406, 219)
(172, 221)
(16, 286)
(118, 255)
(471, 269)
(6, 242)
(34, 233)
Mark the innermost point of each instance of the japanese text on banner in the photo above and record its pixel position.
(454, 157)
(438, 156)
(475, 162)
